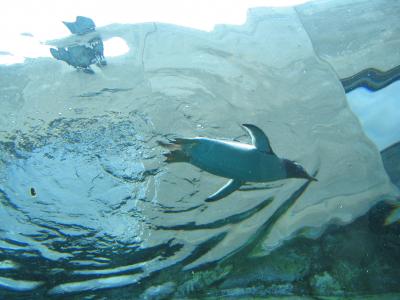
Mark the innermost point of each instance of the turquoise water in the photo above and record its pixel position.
(90, 209)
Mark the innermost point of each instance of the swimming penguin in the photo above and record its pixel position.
(238, 161)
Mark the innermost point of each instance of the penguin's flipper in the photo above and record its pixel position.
(258, 138)
(226, 190)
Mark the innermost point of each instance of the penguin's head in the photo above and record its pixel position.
(295, 170)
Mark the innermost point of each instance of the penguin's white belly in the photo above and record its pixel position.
(235, 160)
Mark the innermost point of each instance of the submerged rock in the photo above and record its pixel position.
(289, 264)
(325, 285)
(159, 292)
(362, 257)
(278, 290)
(201, 280)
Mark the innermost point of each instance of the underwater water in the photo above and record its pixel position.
(90, 209)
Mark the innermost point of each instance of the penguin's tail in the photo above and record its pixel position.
(177, 149)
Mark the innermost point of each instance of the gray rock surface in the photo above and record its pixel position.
(353, 36)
